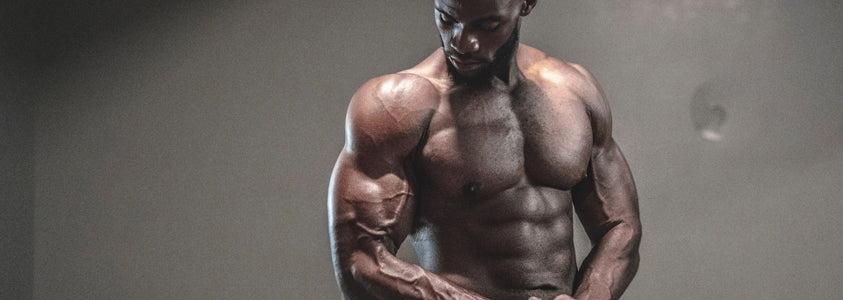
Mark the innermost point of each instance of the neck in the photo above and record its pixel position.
(503, 71)
(506, 70)
(508, 75)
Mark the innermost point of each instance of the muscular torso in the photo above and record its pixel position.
(492, 181)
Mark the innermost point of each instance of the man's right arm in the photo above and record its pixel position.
(371, 200)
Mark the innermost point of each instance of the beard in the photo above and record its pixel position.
(498, 67)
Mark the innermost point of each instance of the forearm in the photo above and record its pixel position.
(611, 264)
(378, 274)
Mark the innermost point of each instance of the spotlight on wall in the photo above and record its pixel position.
(707, 111)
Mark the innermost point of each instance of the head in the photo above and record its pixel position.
(480, 37)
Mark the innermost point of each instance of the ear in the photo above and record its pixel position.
(527, 7)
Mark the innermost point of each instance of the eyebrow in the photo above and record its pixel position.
(444, 12)
(491, 18)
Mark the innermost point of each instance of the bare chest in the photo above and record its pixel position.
(482, 143)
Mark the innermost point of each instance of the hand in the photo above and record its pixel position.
(560, 297)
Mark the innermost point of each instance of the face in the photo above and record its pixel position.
(478, 36)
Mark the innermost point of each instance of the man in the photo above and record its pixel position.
(480, 153)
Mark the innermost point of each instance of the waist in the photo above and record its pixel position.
(544, 285)
(533, 260)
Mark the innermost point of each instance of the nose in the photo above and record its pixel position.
(464, 43)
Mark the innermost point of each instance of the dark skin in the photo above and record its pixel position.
(480, 153)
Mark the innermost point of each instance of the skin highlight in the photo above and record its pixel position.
(481, 153)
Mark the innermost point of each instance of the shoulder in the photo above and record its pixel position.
(569, 81)
(392, 97)
(390, 110)
(557, 74)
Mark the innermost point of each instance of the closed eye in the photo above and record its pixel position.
(490, 26)
(444, 18)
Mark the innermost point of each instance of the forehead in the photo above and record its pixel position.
(475, 7)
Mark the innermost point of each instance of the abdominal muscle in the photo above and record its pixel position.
(512, 245)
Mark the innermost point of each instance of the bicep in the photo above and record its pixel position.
(607, 196)
(369, 216)
(369, 201)
(371, 197)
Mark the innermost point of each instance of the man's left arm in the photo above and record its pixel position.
(607, 205)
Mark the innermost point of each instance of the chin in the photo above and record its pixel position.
(470, 74)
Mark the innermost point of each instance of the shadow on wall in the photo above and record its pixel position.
(46, 34)
(707, 109)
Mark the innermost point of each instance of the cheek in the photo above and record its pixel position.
(443, 40)
(444, 36)
(492, 44)
(501, 38)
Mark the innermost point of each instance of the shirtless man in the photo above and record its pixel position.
(480, 153)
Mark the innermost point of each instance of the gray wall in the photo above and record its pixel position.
(16, 192)
(16, 168)
(183, 150)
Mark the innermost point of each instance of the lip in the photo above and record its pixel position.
(465, 65)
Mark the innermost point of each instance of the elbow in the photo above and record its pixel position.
(634, 242)
(623, 242)
(361, 267)
(635, 233)
(377, 276)
(355, 273)
(628, 237)
(354, 267)
(634, 236)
